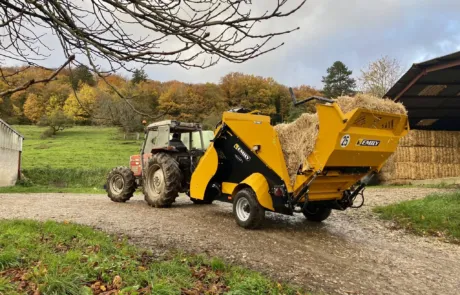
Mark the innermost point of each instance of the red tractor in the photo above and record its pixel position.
(170, 152)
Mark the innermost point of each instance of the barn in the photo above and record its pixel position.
(10, 154)
(430, 91)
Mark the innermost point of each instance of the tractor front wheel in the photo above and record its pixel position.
(121, 184)
(162, 180)
(247, 210)
(316, 213)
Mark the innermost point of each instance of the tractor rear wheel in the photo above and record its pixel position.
(316, 213)
(121, 184)
(247, 210)
(162, 181)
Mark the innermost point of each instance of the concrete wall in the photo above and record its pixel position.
(10, 148)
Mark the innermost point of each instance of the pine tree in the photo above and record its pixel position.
(139, 75)
(338, 81)
(81, 74)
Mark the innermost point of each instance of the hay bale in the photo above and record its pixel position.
(388, 171)
(298, 138)
(425, 154)
(431, 138)
(420, 171)
(298, 141)
(441, 155)
(369, 102)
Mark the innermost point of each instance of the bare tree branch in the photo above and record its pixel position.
(190, 33)
(119, 34)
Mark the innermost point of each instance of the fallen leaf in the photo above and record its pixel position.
(117, 282)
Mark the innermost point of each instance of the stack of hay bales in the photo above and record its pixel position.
(424, 154)
(299, 137)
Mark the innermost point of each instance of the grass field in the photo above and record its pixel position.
(437, 214)
(78, 157)
(66, 259)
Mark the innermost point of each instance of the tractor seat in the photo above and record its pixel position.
(178, 144)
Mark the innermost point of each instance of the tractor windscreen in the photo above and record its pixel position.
(196, 141)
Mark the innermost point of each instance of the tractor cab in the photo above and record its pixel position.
(173, 136)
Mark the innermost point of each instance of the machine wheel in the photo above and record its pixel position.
(121, 184)
(162, 181)
(316, 214)
(247, 210)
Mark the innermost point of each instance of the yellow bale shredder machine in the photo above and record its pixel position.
(244, 164)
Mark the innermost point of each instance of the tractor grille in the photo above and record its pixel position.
(368, 120)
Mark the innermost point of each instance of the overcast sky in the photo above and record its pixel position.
(355, 32)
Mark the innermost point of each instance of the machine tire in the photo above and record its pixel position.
(162, 181)
(245, 200)
(316, 214)
(121, 184)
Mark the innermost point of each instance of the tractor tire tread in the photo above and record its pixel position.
(172, 179)
(129, 188)
(257, 218)
(322, 214)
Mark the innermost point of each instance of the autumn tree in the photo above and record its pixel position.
(257, 93)
(173, 100)
(248, 91)
(79, 107)
(56, 120)
(302, 92)
(34, 107)
(380, 76)
(338, 81)
(111, 109)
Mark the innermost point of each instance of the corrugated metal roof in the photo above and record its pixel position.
(430, 91)
(11, 128)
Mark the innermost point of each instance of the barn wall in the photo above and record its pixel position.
(10, 148)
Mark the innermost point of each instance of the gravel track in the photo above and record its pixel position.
(353, 252)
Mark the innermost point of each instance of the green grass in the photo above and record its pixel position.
(78, 157)
(62, 258)
(441, 185)
(81, 147)
(51, 189)
(436, 214)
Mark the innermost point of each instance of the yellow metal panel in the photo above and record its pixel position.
(228, 187)
(203, 173)
(255, 130)
(330, 186)
(356, 125)
(259, 185)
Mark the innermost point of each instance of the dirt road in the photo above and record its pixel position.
(351, 253)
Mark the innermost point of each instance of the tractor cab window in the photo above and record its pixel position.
(195, 142)
(151, 139)
(192, 140)
(157, 138)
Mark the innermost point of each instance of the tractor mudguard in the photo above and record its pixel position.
(203, 173)
(259, 185)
